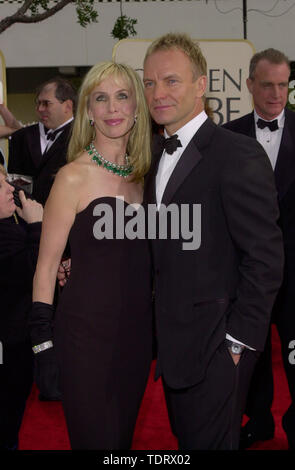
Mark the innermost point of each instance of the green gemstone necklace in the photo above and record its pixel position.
(120, 170)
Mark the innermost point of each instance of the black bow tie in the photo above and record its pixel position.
(52, 135)
(171, 144)
(272, 125)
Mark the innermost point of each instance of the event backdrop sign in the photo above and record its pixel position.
(228, 69)
(3, 142)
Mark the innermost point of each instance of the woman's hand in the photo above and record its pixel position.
(31, 211)
(64, 271)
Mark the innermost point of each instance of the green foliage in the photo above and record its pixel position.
(85, 11)
(34, 11)
(124, 27)
(37, 4)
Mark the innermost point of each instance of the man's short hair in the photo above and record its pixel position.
(64, 90)
(272, 55)
(184, 43)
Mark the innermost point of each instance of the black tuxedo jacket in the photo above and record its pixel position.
(25, 158)
(284, 174)
(228, 284)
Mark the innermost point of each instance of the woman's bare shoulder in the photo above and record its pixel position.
(73, 173)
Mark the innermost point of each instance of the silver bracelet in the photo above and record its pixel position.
(41, 347)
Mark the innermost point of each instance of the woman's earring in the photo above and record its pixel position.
(91, 122)
(135, 118)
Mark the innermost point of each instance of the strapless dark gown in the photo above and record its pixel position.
(103, 335)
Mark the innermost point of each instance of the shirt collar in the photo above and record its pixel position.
(63, 124)
(186, 132)
(280, 118)
(42, 127)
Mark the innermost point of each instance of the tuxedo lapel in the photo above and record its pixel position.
(58, 144)
(284, 171)
(285, 166)
(251, 131)
(150, 179)
(54, 148)
(34, 145)
(188, 160)
(247, 125)
(191, 157)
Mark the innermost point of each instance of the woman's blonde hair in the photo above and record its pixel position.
(2, 170)
(83, 133)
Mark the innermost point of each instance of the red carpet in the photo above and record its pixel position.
(44, 427)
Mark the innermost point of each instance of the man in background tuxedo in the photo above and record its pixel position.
(274, 127)
(213, 300)
(40, 150)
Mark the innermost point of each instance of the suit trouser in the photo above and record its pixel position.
(208, 415)
(260, 395)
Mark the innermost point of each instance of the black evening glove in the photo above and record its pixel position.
(46, 369)
(40, 322)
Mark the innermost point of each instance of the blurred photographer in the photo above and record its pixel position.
(19, 244)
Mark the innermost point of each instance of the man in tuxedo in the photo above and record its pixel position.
(212, 302)
(274, 127)
(40, 150)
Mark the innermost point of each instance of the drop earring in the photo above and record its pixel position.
(91, 122)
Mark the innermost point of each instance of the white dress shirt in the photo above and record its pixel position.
(270, 140)
(43, 139)
(169, 162)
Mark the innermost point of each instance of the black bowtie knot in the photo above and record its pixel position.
(170, 144)
(50, 135)
(272, 125)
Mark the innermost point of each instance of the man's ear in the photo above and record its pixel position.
(68, 106)
(201, 85)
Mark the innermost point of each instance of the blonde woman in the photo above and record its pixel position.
(102, 332)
